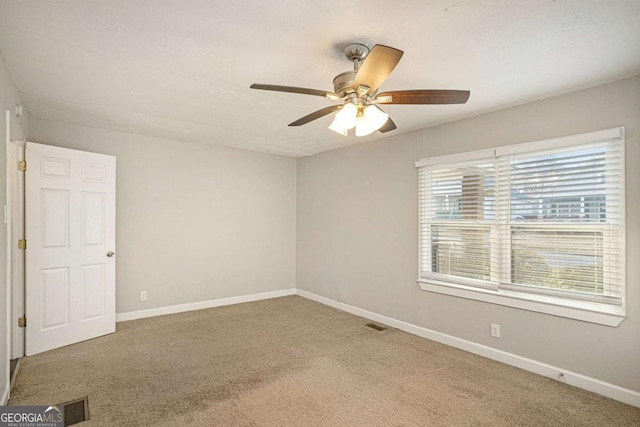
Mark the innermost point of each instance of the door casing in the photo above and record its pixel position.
(15, 231)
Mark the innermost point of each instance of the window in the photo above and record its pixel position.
(538, 226)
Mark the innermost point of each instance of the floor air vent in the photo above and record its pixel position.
(76, 411)
(376, 327)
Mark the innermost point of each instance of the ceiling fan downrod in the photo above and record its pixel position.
(356, 53)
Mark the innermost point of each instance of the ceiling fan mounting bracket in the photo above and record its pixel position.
(383, 99)
(356, 52)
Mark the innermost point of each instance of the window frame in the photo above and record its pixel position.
(573, 308)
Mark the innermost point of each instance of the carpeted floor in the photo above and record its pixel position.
(293, 362)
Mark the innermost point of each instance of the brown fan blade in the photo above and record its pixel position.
(376, 67)
(423, 97)
(388, 126)
(291, 89)
(315, 115)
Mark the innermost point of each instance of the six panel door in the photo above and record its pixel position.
(70, 233)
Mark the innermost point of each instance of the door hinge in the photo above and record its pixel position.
(22, 244)
(22, 322)
(22, 165)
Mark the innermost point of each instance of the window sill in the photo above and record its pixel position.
(579, 310)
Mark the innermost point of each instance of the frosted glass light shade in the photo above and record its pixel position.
(363, 126)
(346, 117)
(337, 127)
(375, 116)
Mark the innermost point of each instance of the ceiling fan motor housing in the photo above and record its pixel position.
(343, 83)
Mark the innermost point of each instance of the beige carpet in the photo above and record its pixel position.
(293, 362)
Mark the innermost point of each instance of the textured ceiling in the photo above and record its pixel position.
(182, 69)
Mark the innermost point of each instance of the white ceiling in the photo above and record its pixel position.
(182, 69)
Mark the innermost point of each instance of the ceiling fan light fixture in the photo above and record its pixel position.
(375, 116)
(346, 117)
(363, 126)
(337, 127)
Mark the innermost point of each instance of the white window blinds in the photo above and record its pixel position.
(545, 218)
(457, 214)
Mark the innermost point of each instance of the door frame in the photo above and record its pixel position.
(15, 145)
(18, 255)
(13, 132)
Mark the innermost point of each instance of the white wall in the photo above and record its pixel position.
(9, 97)
(357, 232)
(194, 222)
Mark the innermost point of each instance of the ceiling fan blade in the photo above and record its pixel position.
(388, 126)
(291, 89)
(315, 115)
(376, 67)
(423, 97)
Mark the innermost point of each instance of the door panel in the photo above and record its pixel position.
(93, 291)
(93, 205)
(54, 287)
(52, 167)
(70, 228)
(54, 218)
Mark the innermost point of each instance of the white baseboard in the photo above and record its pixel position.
(5, 397)
(152, 312)
(612, 391)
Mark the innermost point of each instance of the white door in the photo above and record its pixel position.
(70, 233)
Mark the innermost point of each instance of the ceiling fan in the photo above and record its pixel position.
(357, 92)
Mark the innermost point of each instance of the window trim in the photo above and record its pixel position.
(593, 312)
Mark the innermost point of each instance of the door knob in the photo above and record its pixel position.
(110, 254)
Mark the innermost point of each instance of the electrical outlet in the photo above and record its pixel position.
(495, 330)
(143, 295)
